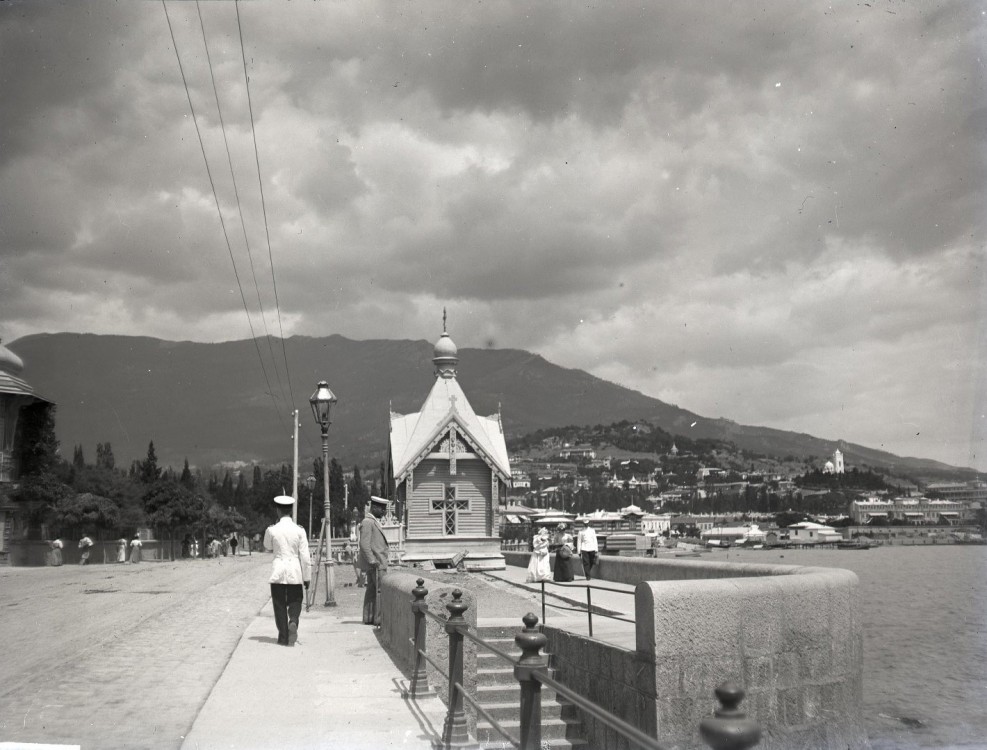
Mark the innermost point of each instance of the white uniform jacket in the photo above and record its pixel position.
(292, 563)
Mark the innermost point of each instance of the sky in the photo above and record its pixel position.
(768, 212)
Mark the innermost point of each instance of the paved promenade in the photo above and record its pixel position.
(336, 688)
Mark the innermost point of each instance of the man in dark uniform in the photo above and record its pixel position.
(373, 557)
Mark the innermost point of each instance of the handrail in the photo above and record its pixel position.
(728, 729)
(589, 601)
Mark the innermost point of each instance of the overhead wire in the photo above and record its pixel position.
(263, 202)
(219, 211)
(236, 194)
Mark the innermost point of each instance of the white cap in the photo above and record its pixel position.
(284, 500)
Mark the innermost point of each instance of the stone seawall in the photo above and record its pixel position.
(790, 635)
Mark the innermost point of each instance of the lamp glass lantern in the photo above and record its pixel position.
(322, 402)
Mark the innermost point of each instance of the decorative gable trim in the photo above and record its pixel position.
(442, 432)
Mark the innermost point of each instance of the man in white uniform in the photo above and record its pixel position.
(292, 569)
(587, 548)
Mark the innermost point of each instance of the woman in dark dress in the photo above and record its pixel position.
(563, 561)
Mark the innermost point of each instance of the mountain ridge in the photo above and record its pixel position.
(211, 402)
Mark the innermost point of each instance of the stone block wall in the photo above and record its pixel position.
(792, 638)
(618, 680)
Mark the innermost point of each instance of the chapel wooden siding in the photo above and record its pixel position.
(472, 481)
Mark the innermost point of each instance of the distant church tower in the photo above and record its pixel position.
(450, 472)
(838, 467)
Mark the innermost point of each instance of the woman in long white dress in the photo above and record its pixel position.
(135, 549)
(539, 567)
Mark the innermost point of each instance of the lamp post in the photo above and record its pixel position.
(322, 402)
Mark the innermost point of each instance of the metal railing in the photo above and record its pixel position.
(728, 728)
(589, 602)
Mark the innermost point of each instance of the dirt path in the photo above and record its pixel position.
(119, 656)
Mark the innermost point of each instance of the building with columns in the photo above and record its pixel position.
(450, 472)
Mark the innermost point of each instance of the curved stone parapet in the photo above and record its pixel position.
(791, 636)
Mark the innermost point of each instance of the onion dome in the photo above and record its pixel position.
(10, 362)
(445, 355)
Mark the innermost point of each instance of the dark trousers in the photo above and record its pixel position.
(287, 600)
(371, 613)
(589, 560)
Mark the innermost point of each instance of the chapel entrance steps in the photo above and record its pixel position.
(499, 692)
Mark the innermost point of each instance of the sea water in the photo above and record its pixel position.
(924, 614)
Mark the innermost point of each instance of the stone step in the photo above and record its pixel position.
(500, 674)
(550, 709)
(507, 693)
(547, 743)
(496, 675)
(568, 729)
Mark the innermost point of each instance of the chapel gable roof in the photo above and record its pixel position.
(414, 436)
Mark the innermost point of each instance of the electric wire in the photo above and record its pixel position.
(263, 202)
(236, 193)
(219, 211)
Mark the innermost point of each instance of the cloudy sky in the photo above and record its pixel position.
(771, 212)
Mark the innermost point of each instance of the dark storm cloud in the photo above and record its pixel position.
(767, 212)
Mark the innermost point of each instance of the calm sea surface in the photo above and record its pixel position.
(925, 639)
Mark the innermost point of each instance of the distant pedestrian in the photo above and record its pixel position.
(563, 561)
(233, 543)
(291, 570)
(121, 550)
(373, 558)
(56, 552)
(86, 545)
(539, 567)
(587, 548)
(135, 549)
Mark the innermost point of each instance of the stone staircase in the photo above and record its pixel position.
(499, 692)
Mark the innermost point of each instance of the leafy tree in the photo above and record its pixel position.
(149, 471)
(78, 459)
(41, 494)
(173, 507)
(38, 445)
(86, 511)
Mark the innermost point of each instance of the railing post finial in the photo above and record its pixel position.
(419, 675)
(456, 732)
(532, 662)
(729, 728)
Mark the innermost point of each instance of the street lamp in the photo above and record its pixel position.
(322, 402)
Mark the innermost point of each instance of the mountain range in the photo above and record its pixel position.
(215, 402)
